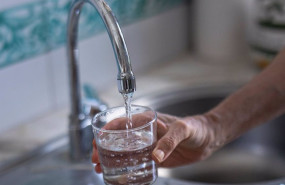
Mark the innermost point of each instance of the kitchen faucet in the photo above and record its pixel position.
(79, 147)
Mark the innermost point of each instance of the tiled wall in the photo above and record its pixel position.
(40, 26)
(33, 64)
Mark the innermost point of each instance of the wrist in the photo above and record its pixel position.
(202, 133)
(219, 132)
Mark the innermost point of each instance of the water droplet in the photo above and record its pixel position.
(144, 159)
(136, 161)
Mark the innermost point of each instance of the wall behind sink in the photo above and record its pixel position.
(33, 64)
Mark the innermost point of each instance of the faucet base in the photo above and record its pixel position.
(80, 142)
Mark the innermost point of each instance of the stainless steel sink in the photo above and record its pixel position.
(256, 157)
(49, 165)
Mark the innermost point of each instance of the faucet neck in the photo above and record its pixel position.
(125, 77)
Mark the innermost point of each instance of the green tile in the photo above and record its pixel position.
(38, 27)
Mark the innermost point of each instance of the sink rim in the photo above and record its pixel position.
(179, 94)
(40, 151)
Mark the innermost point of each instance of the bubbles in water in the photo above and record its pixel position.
(144, 159)
(132, 167)
(133, 178)
(122, 142)
(135, 162)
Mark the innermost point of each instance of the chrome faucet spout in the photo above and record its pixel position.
(125, 77)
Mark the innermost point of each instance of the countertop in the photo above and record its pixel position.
(185, 70)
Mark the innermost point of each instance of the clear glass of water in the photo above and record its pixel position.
(125, 151)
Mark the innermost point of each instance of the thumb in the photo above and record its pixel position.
(177, 132)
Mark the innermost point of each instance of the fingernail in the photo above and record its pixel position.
(159, 154)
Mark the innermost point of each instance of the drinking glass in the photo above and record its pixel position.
(125, 148)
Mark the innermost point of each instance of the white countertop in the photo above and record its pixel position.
(185, 70)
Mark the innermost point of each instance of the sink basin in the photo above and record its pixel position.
(256, 157)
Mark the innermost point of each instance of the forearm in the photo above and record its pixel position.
(259, 101)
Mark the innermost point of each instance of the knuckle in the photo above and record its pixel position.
(169, 142)
(182, 125)
(182, 130)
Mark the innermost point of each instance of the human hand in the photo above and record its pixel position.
(180, 140)
(183, 141)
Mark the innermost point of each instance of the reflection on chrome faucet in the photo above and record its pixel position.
(80, 147)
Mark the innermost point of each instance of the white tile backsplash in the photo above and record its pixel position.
(97, 67)
(25, 92)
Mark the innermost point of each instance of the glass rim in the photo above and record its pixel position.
(127, 130)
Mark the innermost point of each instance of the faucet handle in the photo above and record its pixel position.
(92, 103)
(126, 83)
